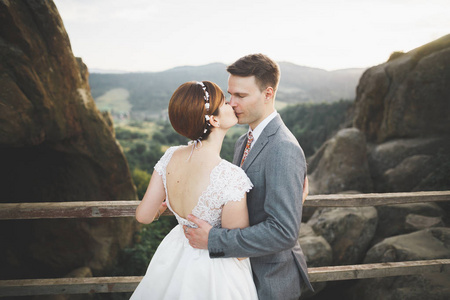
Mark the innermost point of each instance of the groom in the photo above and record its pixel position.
(275, 163)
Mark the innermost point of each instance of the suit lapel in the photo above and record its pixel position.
(256, 149)
(262, 141)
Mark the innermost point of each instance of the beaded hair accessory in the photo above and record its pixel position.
(196, 144)
(206, 97)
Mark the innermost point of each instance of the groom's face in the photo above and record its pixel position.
(246, 99)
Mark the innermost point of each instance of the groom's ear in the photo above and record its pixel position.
(268, 94)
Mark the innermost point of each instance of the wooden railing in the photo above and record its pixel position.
(102, 209)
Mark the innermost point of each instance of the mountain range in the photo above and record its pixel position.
(148, 94)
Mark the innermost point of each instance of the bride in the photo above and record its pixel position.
(195, 180)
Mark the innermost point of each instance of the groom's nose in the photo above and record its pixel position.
(232, 102)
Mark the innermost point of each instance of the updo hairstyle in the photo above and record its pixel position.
(187, 109)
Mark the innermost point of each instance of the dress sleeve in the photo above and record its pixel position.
(161, 165)
(238, 184)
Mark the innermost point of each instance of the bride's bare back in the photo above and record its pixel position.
(188, 179)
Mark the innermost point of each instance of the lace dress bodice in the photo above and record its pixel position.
(227, 183)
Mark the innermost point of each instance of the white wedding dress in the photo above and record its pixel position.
(178, 271)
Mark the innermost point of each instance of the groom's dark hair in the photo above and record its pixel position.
(265, 70)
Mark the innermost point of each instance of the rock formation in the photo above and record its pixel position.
(402, 112)
(421, 245)
(403, 165)
(399, 142)
(318, 253)
(408, 96)
(348, 230)
(54, 146)
(403, 108)
(341, 164)
(399, 219)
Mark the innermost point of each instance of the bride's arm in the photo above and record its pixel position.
(235, 215)
(150, 205)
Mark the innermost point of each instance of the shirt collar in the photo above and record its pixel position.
(259, 129)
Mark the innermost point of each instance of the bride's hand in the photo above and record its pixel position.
(305, 189)
(161, 209)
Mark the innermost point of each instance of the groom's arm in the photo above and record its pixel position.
(285, 171)
(284, 178)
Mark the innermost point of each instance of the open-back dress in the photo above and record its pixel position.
(178, 271)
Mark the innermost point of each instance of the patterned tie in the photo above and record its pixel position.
(247, 147)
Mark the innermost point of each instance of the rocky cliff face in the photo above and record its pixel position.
(408, 96)
(399, 142)
(402, 109)
(54, 146)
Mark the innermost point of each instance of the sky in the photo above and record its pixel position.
(156, 35)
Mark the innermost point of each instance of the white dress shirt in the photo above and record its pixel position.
(259, 129)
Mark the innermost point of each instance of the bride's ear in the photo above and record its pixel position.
(214, 121)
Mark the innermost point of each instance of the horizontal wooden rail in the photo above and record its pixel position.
(26, 287)
(82, 209)
(31, 287)
(378, 270)
(356, 200)
(101, 209)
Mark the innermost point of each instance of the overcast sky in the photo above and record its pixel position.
(155, 35)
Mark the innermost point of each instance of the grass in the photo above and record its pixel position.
(114, 100)
(143, 127)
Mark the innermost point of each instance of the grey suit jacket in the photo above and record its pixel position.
(277, 168)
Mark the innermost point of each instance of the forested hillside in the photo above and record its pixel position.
(313, 124)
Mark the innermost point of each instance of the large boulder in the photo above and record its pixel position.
(348, 230)
(397, 219)
(341, 164)
(404, 164)
(406, 96)
(421, 245)
(318, 253)
(409, 173)
(432, 243)
(55, 146)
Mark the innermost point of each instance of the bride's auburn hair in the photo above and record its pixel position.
(187, 109)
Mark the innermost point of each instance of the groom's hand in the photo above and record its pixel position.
(198, 237)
